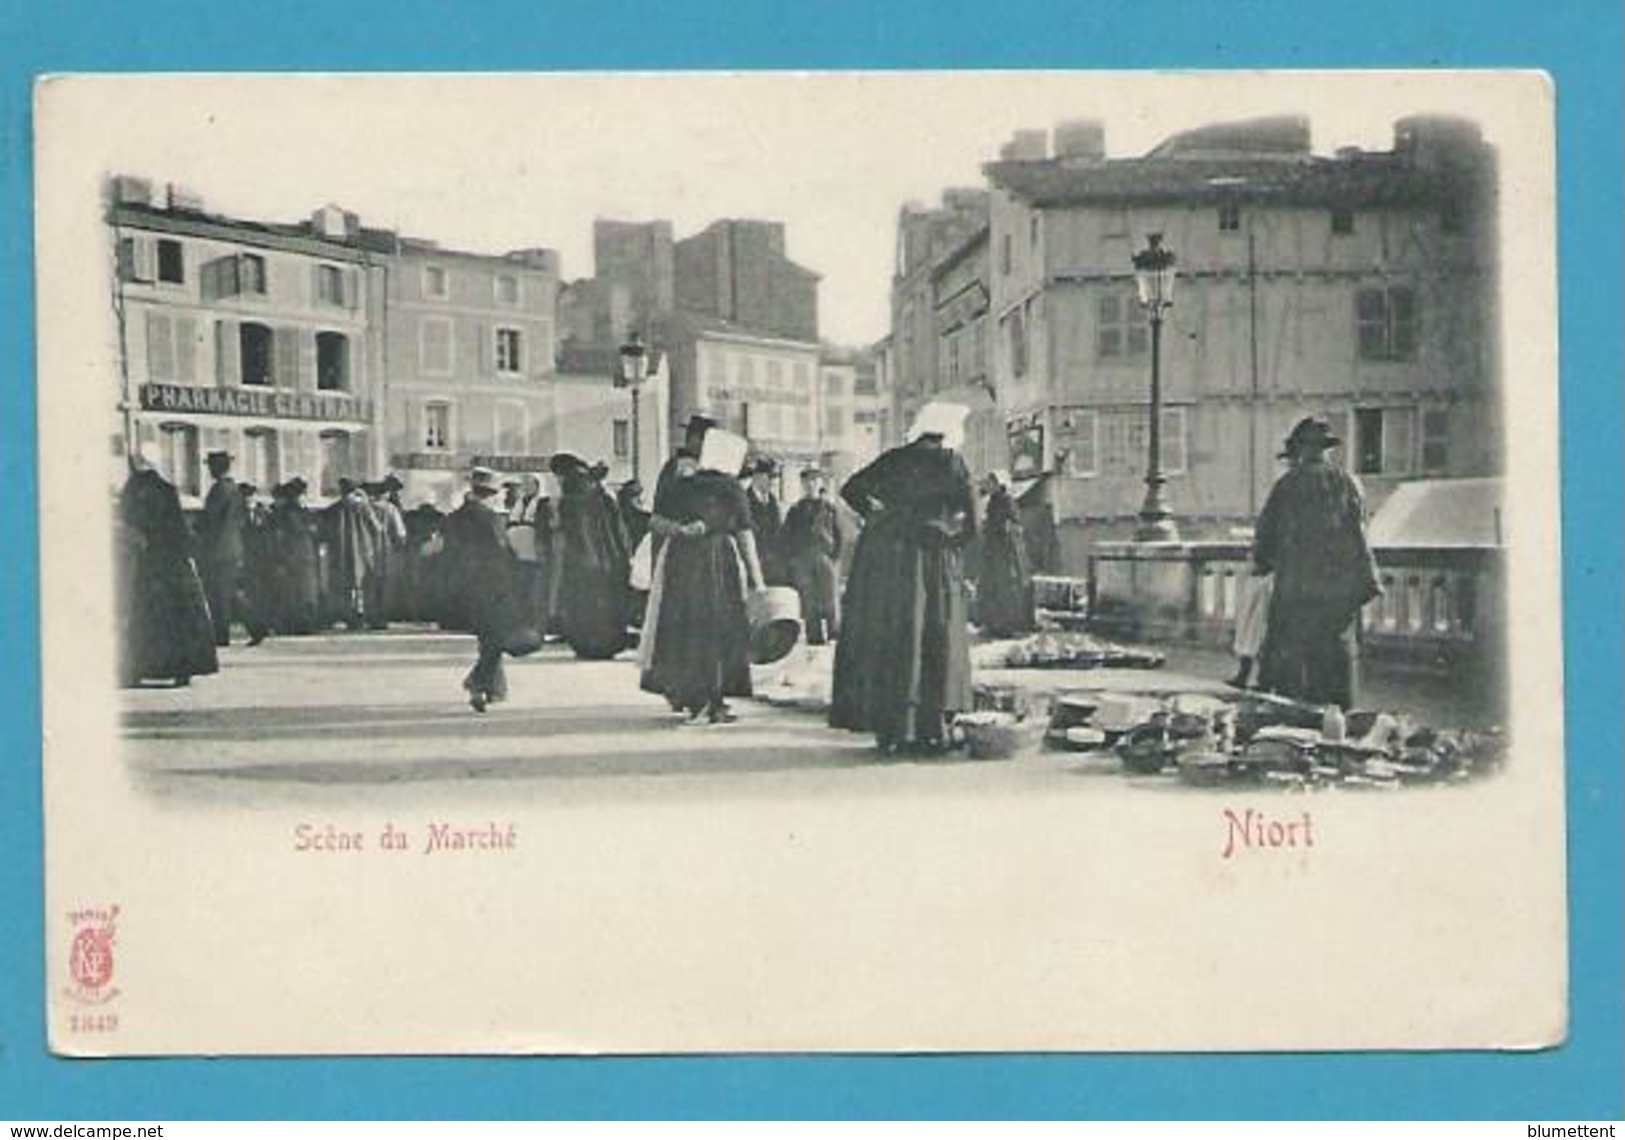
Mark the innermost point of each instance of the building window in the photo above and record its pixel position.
(1016, 324)
(1120, 329)
(234, 275)
(260, 466)
(179, 451)
(803, 374)
(1368, 441)
(251, 273)
(1229, 219)
(332, 362)
(171, 348)
(437, 426)
(1435, 441)
(1032, 233)
(436, 283)
(1007, 257)
(621, 439)
(329, 285)
(1079, 437)
(508, 350)
(804, 423)
(835, 422)
(336, 461)
(1124, 441)
(775, 375)
(1342, 222)
(171, 262)
(1384, 441)
(435, 346)
(1385, 320)
(256, 354)
(507, 289)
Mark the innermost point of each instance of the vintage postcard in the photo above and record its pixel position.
(641, 563)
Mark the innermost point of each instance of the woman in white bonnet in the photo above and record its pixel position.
(902, 668)
(697, 633)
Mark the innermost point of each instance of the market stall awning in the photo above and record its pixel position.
(1440, 513)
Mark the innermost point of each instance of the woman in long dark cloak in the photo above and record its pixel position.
(1004, 590)
(594, 564)
(167, 631)
(297, 575)
(902, 668)
(696, 650)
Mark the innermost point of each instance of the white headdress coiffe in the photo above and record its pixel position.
(723, 451)
(946, 420)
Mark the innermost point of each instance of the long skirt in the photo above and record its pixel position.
(1310, 653)
(168, 632)
(902, 666)
(1004, 596)
(592, 610)
(695, 649)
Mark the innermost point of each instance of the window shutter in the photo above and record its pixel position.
(126, 259)
(144, 258)
(185, 349)
(306, 379)
(352, 288)
(160, 347)
(482, 349)
(228, 358)
(315, 286)
(286, 370)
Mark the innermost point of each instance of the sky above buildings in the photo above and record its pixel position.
(504, 162)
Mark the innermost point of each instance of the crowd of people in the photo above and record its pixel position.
(553, 556)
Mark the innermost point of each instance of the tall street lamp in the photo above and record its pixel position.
(634, 371)
(1154, 276)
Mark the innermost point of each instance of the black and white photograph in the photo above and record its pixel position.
(851, 562)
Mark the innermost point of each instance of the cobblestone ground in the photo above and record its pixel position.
(322, 717)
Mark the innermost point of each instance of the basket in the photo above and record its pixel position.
(775, 623)
(993, 736)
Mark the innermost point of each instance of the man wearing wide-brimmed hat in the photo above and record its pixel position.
(479, 576)
(220, 544)
(1311, 538)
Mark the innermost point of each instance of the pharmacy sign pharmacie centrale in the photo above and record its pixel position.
(268, 404)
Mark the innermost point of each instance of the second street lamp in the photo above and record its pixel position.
(634, 370)
(1154, 277)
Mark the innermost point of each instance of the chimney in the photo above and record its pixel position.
(329, 222)
(128, 191)
(1026, 146)
(184, 200)
(1080, 140)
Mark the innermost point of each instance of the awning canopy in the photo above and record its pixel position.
(1449, 513)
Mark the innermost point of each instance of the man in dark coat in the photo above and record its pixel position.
(296, 560)
(811, 541)
(220, 545)
(354, 537)
(479, 566)
(767, 520)
(1311, 536)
